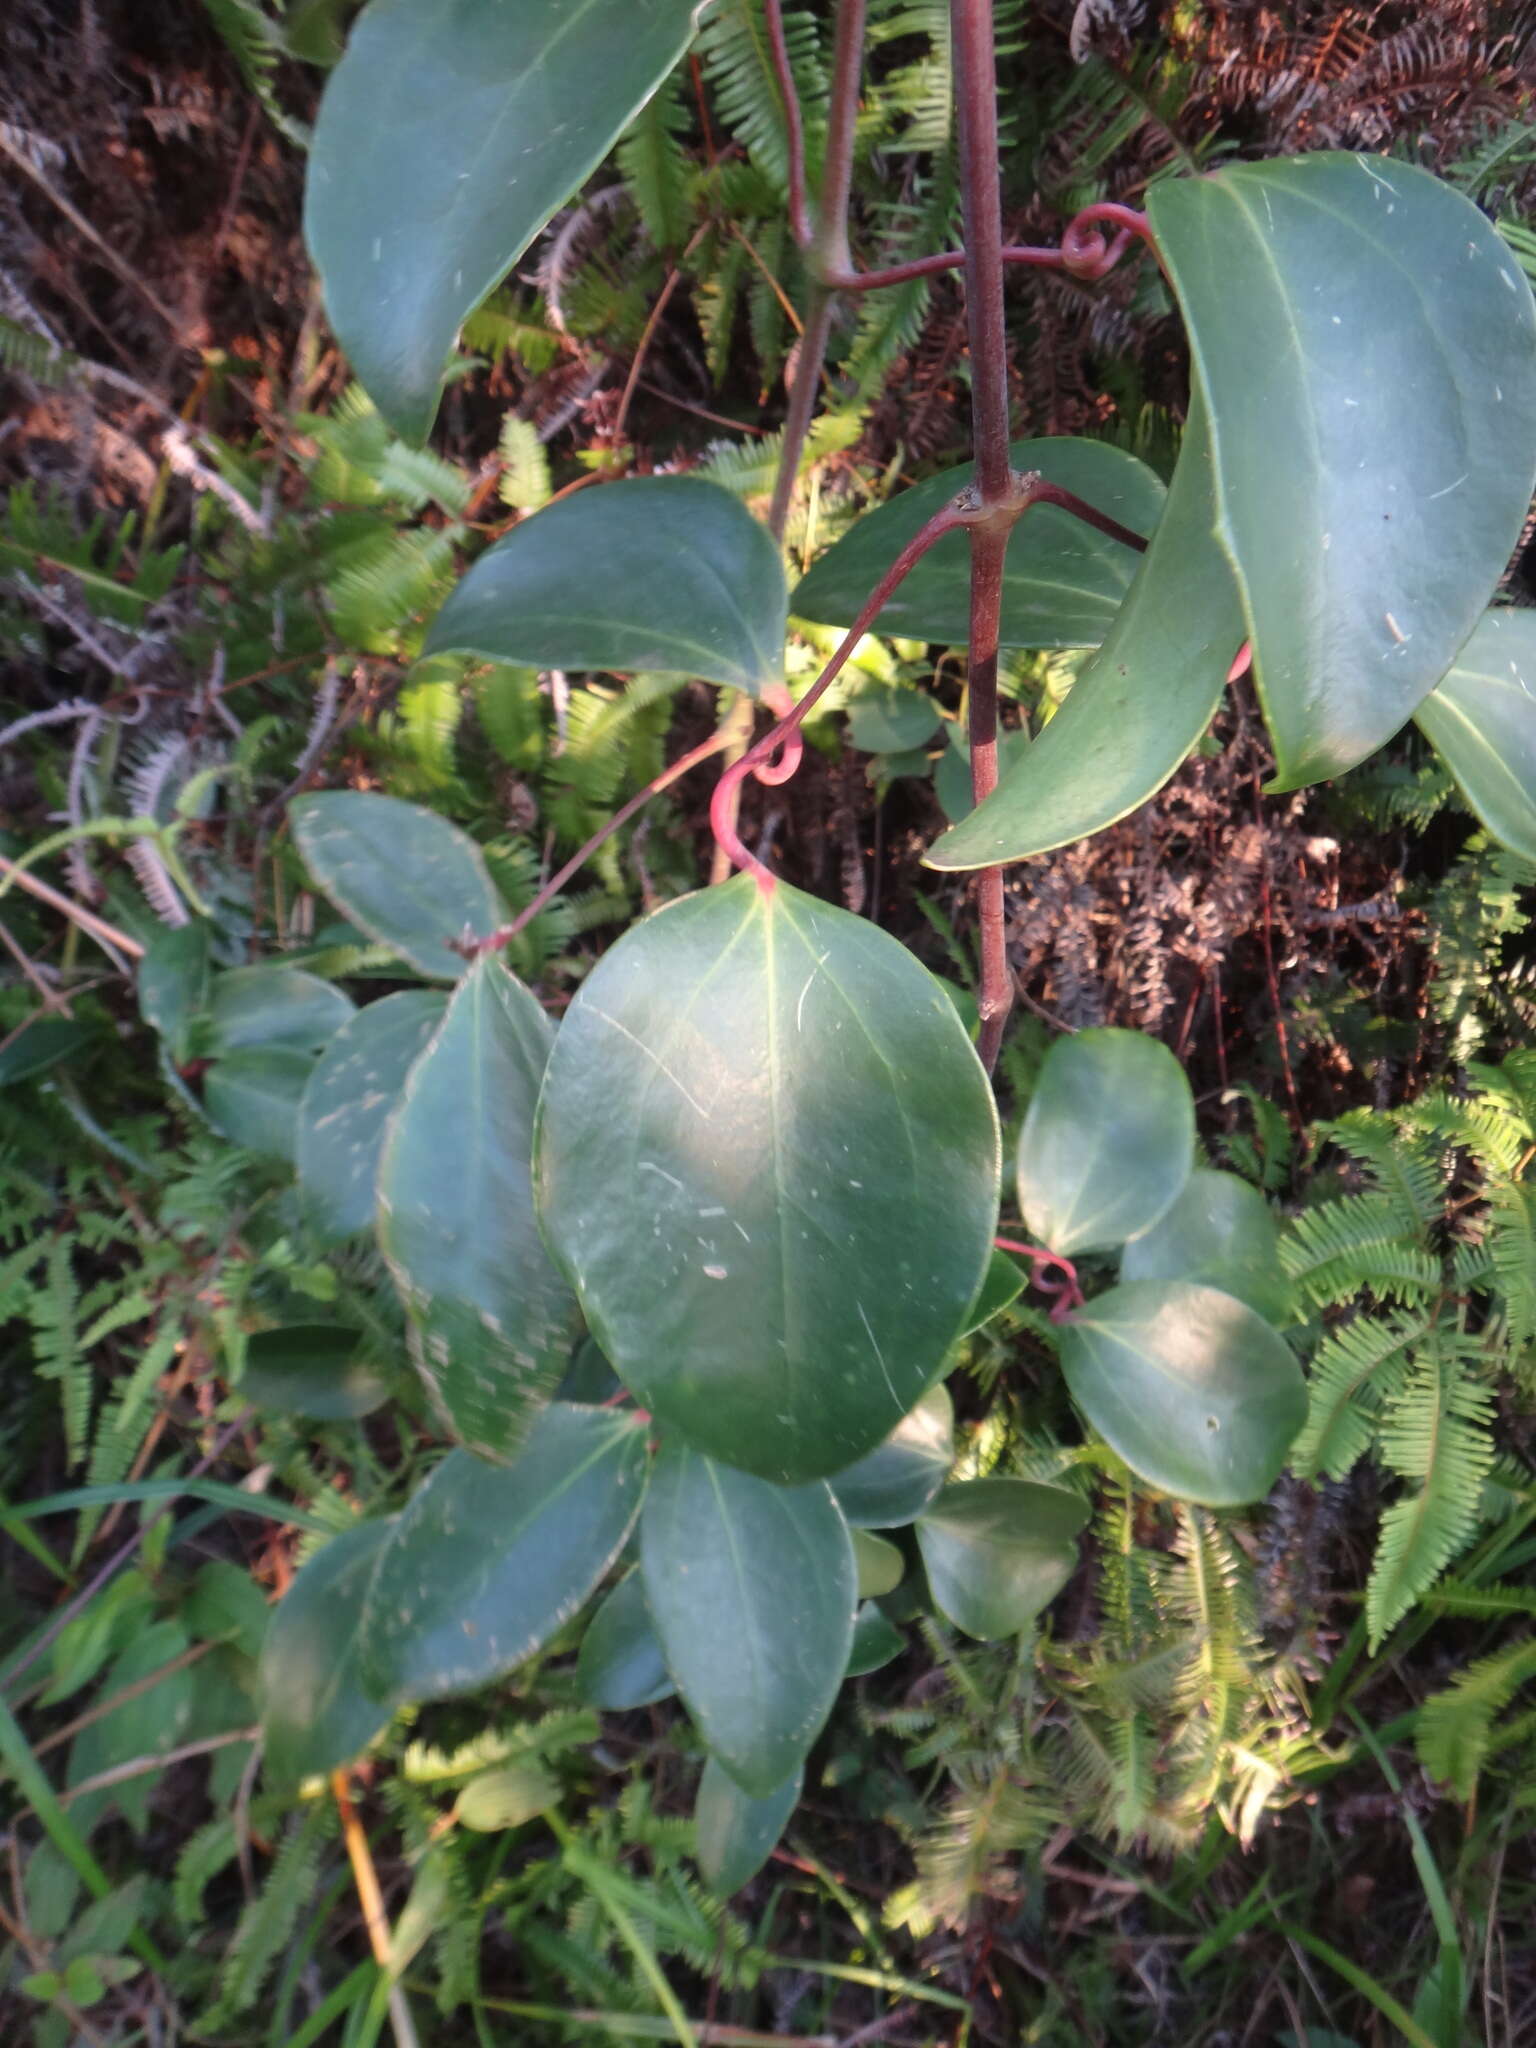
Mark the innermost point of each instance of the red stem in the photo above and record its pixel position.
(982, 206)
(794, 126)
(1067, 1289)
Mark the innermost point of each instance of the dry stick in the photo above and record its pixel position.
(371, 1898)
(981, 197)
(107, 936)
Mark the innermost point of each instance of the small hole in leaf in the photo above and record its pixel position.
(1212, 1423)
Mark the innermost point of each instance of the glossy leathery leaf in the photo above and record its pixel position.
(1139, 704)
(998, 1551)
(1221, 1232)
(1193, 1389)
(1481, 721)
(894, 1482)
(491, 1320)
(620, 1664)
(1108, 1140)
(589, 1377)
(448, 135)
(887, 719)
(1003, 1282)
(174, 980)
(1373, 481)
(735, 1833)
(777, 1239)
(876, 1640)
(253, 1098)
(403, 875)
(654, 572)
(487, 1561)
(317, 1369)
(752, 1590)
(251, 1008)
(315, 1712)
(879, 1565)
(348, 1101)
(1063, 581)
(952, 770)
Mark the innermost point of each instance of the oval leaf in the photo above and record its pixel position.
(1108, 1141)
(895, 1482)
(1482, 723)
(315, 1715)
(402, 874)
(778, 1235)
(348, 1101)
(505, 1798)
(1372, 483)
(174, 980)
(752, 1590)
(998, 1551)
(620, 1664)
(655, 572)
(735, 1833)
(876, 1640)
(251, 1008)
(1138, 706)
(1197, 1393)
(253, 1098)
(491, 1320)
(880, 1566)
(885, 719)
(488, 1561)
(1063, 581)
(312, 1369)
(448, 135)
(1003, 1283)
(1222, 1233)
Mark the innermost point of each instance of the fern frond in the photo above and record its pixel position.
(1512, 1250)
(1455, 1730)
(1358, 1365)
(1410, 1173)
(524, 483)
(1337, 1249)
(657, 169)
(268, 1922)
(1434, 1430)
(733, 43)
(56, 1345)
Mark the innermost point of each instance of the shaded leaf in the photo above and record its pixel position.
(751, 1588)
(876, 1640)
(402, 874)
(491, 1320)
(736, 1832)
(315, 1713)
(997, 1551)
(1371, 484)
(778, 1239)
(447, 136)
(314, 1369)
(1197, 1393)
(1481, 720)
(894, 1483)
(174, 980)
(1221, 1232)
(1108, 1141)
(347, 1104)
(620, 1664)
(505, 1798)
(648, 573)
(252, 1008)
(253, 1098)
(880, 1566)
(885, 719)
(487, 1561)
(1003, 1282)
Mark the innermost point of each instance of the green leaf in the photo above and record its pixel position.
(174, 980)
(1139, 704)
(505, 1798)
(1482, 722)
(880, 1566)
(894, 1483)
(1063, 581)
(225, 1604)
(735, 1832)
(886, 719)
(487, 1561)
(751, 1587)
(252, 1008)
(876, 1640)
(952, 771)
(312, 1369)
(1221, 1232)
(1197, 1393)
(42, 1045)
(998, 1551)
(1108, 1141)
(146, 1724)
(403, 875)
(777, 1236)
(491, 1321)
(348, 1102)
(253, 1098)
(620, 1664)
(1373, 481)
(449, 133)
(649, 573)
(1002, 1283)
(315, 1714)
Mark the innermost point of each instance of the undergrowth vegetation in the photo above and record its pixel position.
(1259, 1773)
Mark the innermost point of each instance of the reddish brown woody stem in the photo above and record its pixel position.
(794, 127)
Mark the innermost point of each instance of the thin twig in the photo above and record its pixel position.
(107, 936)
(371, 1899)
(159, 1760)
